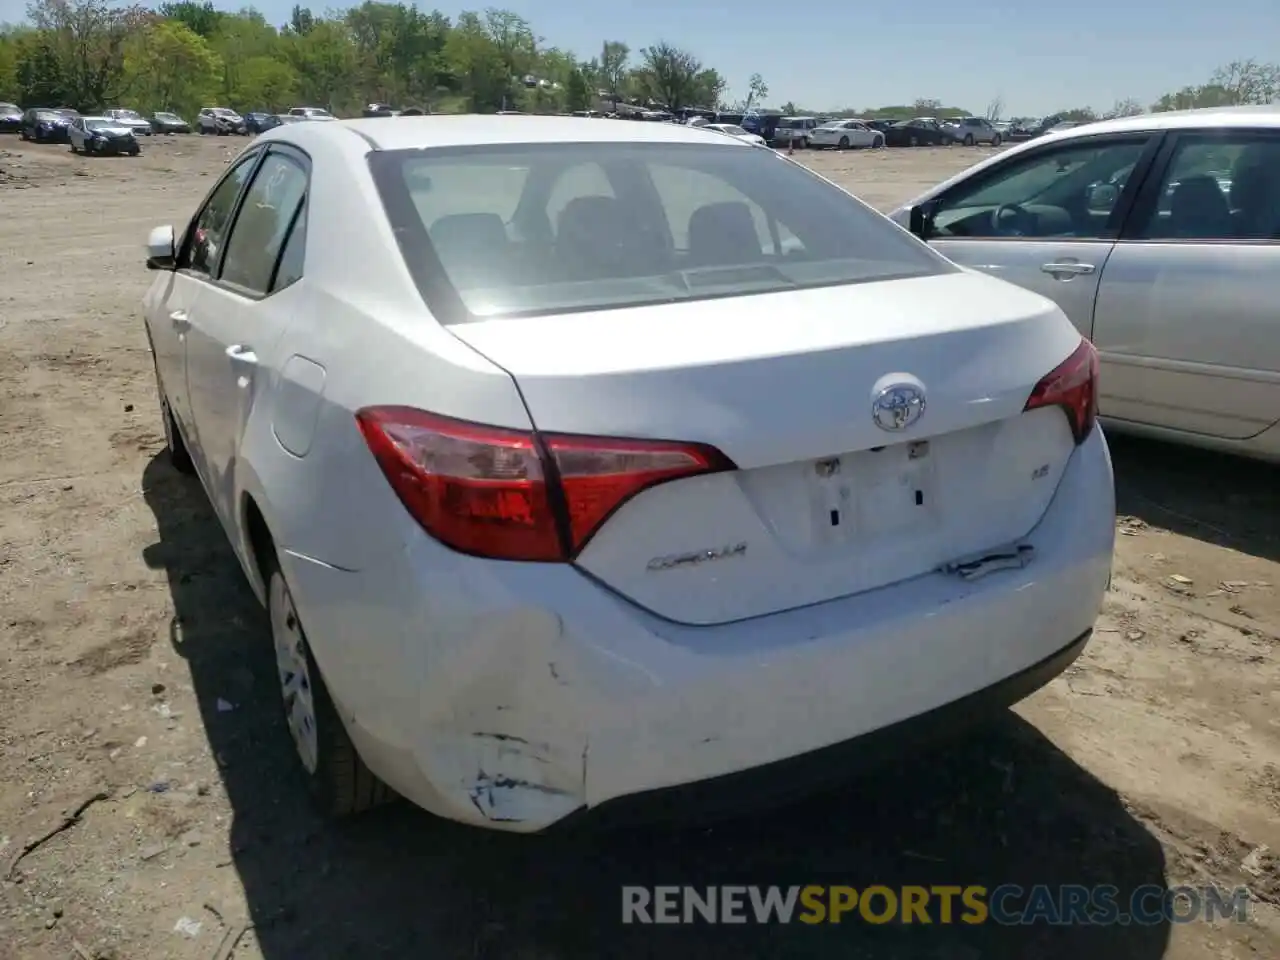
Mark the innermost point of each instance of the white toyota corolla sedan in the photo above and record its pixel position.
(578, 460)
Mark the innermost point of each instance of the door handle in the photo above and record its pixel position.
(242, 354)
(181, 320)
(1068, 269)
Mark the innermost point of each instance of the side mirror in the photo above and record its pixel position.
(921, 219)
(162, 253)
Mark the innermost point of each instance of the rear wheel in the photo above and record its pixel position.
(995, 141)
(844, 143)
(338, 780)
(877, 143)
(915, 141)
(968, 140)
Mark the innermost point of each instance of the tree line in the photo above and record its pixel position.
(91, 54)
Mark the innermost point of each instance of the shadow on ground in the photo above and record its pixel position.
(1004, 808)
(1212, 497)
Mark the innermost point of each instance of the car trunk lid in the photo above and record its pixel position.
(826, 501)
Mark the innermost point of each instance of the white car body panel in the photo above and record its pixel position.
(856, 136)
(508, 694)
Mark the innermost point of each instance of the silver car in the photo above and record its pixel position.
(973, 130)
(1159, 235)
(140, 126)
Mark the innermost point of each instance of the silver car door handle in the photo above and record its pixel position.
(242, 354)
(181, 320)
(1068, 269)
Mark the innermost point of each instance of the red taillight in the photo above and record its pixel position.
(1073, 386)
(511, 495)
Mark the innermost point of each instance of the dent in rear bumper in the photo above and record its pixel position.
(466, 692)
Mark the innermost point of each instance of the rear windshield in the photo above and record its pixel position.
(523, 229)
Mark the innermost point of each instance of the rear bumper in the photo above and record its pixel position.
(512, 695)
(799, 776)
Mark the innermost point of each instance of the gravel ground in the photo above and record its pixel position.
(137, 688)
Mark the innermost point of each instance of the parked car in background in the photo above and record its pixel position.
(131, 119)
(734, 130)
(1159, 236)
(379, 110)
(259, 121)
(164, 122)
(974, 130)
(311, 113)
(842, 134)
(102, 135)
(10, 118)
(919, 132)
(220, 121)
(795, 131)
(459, 464)
(763, 123)
(44, 125)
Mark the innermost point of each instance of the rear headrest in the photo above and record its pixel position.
(467, 234)
(723, 233)
(595, 239)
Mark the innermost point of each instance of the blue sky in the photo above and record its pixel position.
(1037, 56)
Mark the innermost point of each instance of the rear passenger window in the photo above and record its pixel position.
(1218, 188)
(295, 249)
(263, 223)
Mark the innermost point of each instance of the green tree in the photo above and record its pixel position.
(671, 76)
(301, 20)
(757, 91)
(577, 96)
(81, 48)
(476, 64)
(613, 69)
(201, 18)
(168, 66)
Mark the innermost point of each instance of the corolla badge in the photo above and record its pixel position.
(898, 405)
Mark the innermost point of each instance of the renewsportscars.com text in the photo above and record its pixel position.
(1008, 904)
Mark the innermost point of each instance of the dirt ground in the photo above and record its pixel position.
(137, 689)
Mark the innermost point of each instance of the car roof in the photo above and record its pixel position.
(1207, 117)
(1267, 115)
(461, 130)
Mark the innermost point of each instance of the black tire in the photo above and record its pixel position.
(968, 140)
(22, 135)
(915, 141)
(996, 140)
(175, 447)
(72, 145)
(844, 143)
(340, 784)
(877, 144)
(948, 141)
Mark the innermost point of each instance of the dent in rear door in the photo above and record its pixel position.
(1188, 320)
